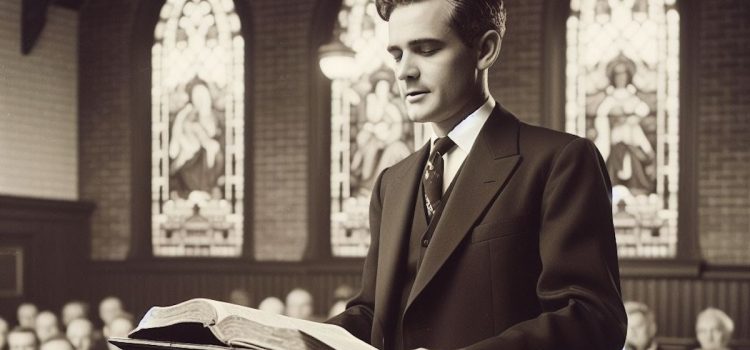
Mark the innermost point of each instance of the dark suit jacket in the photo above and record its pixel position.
(524, 256)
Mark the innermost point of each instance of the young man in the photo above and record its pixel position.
(498, 236)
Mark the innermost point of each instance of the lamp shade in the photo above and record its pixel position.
(336, 60)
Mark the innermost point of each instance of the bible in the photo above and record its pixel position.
(203, 324)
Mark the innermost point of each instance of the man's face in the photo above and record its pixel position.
(299, 305)
(46, 326)
(21, 341)
(710, 333)
(639, 331)
(109, 309)
(27, 315)
(79, 334)
(437, 73)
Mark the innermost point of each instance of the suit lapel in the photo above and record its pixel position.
(488, 166)
(398, 207)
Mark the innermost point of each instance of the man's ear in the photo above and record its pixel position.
(489, 49)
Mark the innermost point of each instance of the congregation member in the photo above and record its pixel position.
(272, 305)
(299, 304)
(56, 343)
(109, 308)
(47, 326)
(80, 333)
(714, 329)
(27, 315)
(641, 327)
(22, 338)
(3, 333)
(73, 310)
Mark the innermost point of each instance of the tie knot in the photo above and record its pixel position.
(443, 145)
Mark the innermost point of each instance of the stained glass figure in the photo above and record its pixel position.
(197, 130)
(369, 127)
(622, 93)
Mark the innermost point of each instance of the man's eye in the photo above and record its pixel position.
(426, 51)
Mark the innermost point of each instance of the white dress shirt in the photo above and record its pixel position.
(464, 134)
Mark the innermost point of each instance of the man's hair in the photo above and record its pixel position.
(470, 18)
(635, 307)
(726, 321)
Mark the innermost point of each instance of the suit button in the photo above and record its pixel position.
(425, 242)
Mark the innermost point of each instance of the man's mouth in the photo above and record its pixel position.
(414, 96)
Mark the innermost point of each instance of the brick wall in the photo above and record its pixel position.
(724, 131)
(38, 106)
(515, 80)
(105, 127)
(279, 112)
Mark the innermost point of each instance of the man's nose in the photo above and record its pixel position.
(406, 68)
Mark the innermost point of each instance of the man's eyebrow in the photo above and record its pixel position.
(416, 42)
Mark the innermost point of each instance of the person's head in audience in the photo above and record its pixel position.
(299, 304)
(120, 326)
(341, 296)
(80, 333)
(46, 326)
(56, 343)
(273, 305)
(22, 338)
(641, 326)
(109, 308)
(3, 332)
(240, 296)
(27, 315)
(714, 329)
(73, 310)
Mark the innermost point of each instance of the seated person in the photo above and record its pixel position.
(73, 310)
(109, 308)
(22, 338)
(714, 329)
(56, 343)
(46, 326)
(27, 315)
(273, 305)
(80, 333)
(641, 327)
(120, 326)
(240, 296)
(341, 296)
(299, 304)
(3, 333)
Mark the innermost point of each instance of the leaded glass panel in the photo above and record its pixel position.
(622, 93)
(369, 127)
(198, 144)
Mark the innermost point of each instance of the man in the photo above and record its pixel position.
(46, 326)
(3, 333)
(57, 343)
(641, 327)
(22, 338)
(80, 333)
(299, 304)
(74, 310)
(109, 308)
(498, 236)
(714, 329)
(27, 315)
(119, 326)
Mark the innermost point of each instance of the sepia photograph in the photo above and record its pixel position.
(374, 174)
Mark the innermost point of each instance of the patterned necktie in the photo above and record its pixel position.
(432, 181)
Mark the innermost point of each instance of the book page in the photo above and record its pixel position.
(334, 336)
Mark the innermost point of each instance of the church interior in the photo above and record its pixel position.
(154, 151)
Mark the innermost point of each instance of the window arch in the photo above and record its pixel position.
(369, 128)
(622, 91)
(197, 130)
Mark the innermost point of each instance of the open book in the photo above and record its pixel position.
(207, 324)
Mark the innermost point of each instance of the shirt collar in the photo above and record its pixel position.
(465, 133)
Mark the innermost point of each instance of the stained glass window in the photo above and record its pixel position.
(197, 179)
(622, 93)
(369, 127)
